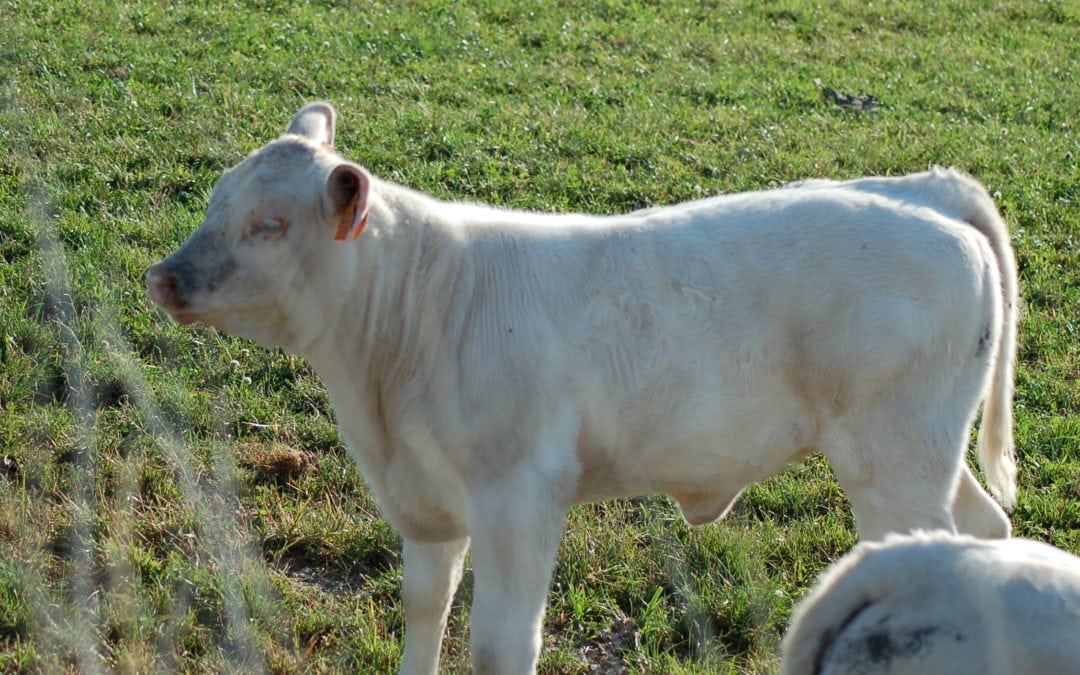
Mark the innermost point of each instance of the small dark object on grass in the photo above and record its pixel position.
(859, 102)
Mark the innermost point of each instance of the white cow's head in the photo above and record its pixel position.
(262, 260)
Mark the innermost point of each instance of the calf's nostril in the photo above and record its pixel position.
(161, 284)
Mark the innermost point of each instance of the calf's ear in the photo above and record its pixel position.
(348, 187)
(314, 121)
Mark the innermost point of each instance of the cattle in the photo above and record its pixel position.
(491, 368)
(937, 603)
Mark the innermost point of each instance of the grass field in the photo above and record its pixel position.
(175, 499)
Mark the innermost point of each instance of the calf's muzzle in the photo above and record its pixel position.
(164, 290)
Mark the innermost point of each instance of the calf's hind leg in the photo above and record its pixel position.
(896, 481)
(976, 513)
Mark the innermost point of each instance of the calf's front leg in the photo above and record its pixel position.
(516, 528)
(432, 574)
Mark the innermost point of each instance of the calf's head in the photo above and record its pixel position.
(265, 261)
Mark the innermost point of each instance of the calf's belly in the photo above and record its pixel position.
(704, 471)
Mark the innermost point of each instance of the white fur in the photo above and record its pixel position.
(937, 603)
(490, 368)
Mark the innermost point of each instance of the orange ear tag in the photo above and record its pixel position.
(345, 225)
(359, 228)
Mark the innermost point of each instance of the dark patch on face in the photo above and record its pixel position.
(984, 342)
(874, 648)
(879, 647)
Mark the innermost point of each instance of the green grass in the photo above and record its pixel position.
(173, 498)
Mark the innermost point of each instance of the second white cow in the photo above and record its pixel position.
(938, 604)
(491, 368)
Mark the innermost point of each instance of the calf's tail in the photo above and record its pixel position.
(964, 197)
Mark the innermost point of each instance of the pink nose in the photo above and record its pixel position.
(162, 287)
(166, 292)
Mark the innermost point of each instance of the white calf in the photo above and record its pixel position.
(941, 604)
(491, 368)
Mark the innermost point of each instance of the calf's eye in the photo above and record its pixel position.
(269, 226)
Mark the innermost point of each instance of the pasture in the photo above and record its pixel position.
(175, 499)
